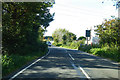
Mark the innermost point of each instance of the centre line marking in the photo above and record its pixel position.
(85, 73)
(71, 57)
(78, 71)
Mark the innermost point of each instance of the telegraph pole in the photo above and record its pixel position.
(118, 3)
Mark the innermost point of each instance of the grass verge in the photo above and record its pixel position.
(107, 52)
(11, 63)
(69, 47)
(111, 53)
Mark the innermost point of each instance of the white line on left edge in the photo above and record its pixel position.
(28, 66)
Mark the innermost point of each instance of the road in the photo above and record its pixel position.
(68, 64)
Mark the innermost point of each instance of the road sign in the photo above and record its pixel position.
(88, 33)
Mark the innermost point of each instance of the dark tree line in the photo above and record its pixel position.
(23, 26)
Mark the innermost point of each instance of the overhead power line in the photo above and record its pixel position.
(83, 11)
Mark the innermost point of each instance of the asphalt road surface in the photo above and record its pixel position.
(68, 64)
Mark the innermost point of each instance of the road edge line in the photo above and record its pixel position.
(28, 66)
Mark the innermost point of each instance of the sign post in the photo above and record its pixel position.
(88, 32)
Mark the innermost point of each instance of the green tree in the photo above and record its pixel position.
(23, 24)
(59, 33)
(64, 39)
(63, 35)
(109, 31)
(71, 36)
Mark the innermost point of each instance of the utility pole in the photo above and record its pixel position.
(87, 40)
(118, 3)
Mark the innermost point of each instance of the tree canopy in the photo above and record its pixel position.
(24, 23)
(109, 31)
(63, 35)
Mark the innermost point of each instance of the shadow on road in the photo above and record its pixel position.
(57, 66)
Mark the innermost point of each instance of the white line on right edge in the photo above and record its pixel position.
(28, 66)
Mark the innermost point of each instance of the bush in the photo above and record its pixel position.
(57, 44)
(85, 48)
(107, 52)
(54, 44)
(10, 63)
(96, 46)
(74, 44)
(68, 43)
(25, 55)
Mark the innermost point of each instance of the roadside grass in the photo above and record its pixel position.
(69, 47)
(64, 46)
(106, 52)
(111, 53)
(11, 63)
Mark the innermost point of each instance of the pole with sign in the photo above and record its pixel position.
(88, 34)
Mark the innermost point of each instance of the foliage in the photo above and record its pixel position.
(71, 45)
(70, 36)
(24, 24)
(58, 34)
(109, 32)
(63, 36)
(81, 37)
(76, 44)
(11, 63)
(85, 48)
(107, 52)
(48, 38)
(56, 40)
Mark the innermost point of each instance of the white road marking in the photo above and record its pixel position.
(28, 66)
(85, 73)
(78, 71)
(71, 57)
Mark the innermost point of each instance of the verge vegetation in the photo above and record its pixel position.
(23, 27)
(64, 38)
(109, 43)
(11, 63)
(105, 51)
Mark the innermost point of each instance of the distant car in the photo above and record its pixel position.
(49, 43)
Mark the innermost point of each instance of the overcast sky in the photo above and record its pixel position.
(78, 15)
